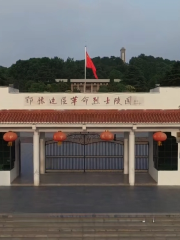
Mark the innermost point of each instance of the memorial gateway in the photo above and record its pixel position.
(82, 117)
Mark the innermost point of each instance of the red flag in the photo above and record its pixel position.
(90, 64)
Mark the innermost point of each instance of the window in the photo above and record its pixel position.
(166, 156)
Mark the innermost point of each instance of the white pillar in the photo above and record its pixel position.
(126, 148)
(131, 158)
(151, 163)
(17, 156)
(36, 158)
(42, 153)
(92, 87)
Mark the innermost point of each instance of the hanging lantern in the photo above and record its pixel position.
(159, 137)
(59, 137)
(107, 136)
(10, 137)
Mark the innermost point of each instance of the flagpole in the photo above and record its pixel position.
(85, 72)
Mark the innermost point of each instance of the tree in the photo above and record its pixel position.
(115, 74)
(142, 73)
(134, 77)
(130, 88)
(103, 88)
(117, 87)
(172, 77)
(37, 87)
(58, 87)
(114, 87)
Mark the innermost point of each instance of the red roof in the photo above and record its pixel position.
(89, 116)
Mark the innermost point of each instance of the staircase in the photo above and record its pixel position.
(89, 227)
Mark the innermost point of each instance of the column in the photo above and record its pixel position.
(36, 158)
(131, 158)
(151, 163)
(78, 86)
(126, 149)
(17, 156)
(42, 153)
(92, 84)
(98, 85)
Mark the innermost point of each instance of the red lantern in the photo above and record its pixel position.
(159, 137)
(10, 137)
(107, 136)
(59, 137)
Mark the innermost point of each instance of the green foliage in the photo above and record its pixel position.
(117, 87)
(130, 88)
(113, 87)
(134, 77)
(76, 90)
(32, 86)
(140, 75)
(172, 77)
(103, 88)
(151, 66)
(37, 87)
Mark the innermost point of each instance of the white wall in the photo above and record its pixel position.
(152, 171)
(14, 173)
(162, 98)
(7, 177)
(171, 178)
(4, 178)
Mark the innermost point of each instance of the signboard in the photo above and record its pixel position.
(80, 100)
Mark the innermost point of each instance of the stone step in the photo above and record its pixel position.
(73, 225)
(86, 220)
(91, 229)
(85, 216)
(89, 234)
(99, 238)
(82, 225)
(88, 228)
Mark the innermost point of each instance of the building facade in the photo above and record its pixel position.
(92, 85)
(87, 115)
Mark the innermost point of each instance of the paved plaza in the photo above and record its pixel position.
(122, 199)
(86, 199)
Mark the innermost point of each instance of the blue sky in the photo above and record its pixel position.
(48, 28)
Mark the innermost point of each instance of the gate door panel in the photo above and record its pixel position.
(104, 156)
(68, 156)
(84, 152)
(142, 156)
(87, 151)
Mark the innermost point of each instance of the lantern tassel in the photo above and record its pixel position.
(59, 143)
(159, 143)
(9, 144)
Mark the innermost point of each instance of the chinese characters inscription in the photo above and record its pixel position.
(63, 101)
(107, 101)
(52, 101)
(29, 100)
(117, 101)
(85, 100)
(95, 100)
(74, 100)
(40, 100)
